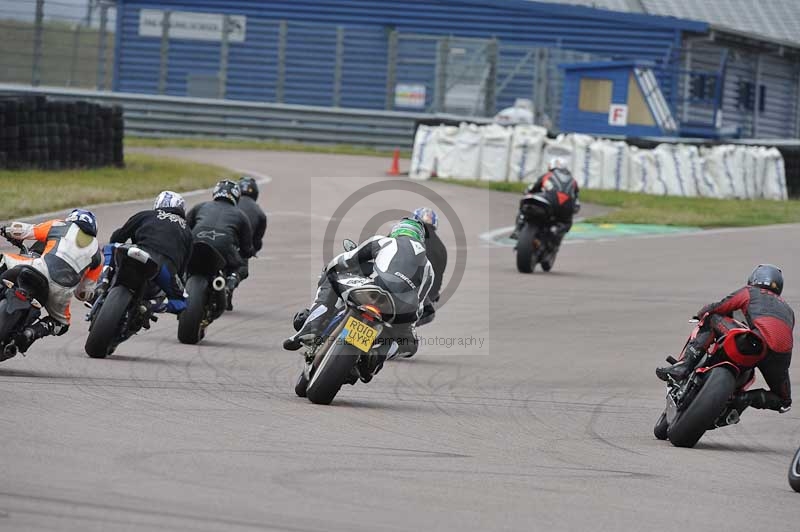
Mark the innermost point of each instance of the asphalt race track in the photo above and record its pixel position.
(543, 423)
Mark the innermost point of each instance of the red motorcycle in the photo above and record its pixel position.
(705, 399)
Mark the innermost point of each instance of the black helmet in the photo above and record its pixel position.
(227, 190)
(249, 187)
(767, 276)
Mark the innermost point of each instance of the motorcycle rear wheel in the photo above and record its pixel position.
(190, 321)
(705, 408)
(794, 472)
(105, 327)
(6, 322)
(331, 373)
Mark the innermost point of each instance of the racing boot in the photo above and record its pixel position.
(311, 330)
(682, 369)
(517, 228)
(230, 284)
(28, 335)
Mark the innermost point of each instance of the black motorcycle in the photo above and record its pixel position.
(794, 472)
(21, 302)
(352, 342)
(535, 243)
(124, 308)
(207, 293)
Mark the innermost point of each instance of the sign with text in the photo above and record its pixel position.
(192, 25)
(409, 95)
(618, 114)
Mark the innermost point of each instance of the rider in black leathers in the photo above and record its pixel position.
(397, 263)
(561, 191)
(222, 225)
(164, 234)
(437, 255)
(258, 222)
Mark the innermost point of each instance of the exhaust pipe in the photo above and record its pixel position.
(218, 283)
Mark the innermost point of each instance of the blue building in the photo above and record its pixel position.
(467, 56)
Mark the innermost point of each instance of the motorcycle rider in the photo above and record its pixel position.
(258, 223)
(561, 191)
(71, 261)
(770, 317)
(398, 264)
(224, 227)
(437, 255)
(163, 233)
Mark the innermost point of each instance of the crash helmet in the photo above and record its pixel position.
(227, 190)
(84, 219)
(428, 216)
(767, 276)
(408, 227)
(169, 200)
(557, 162)
(249, 187)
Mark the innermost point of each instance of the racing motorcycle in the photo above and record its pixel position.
(535, 243)
(21, 302)
(351, 346)
(705, 399)
(124, 308)
(207, 293)
(794, 472)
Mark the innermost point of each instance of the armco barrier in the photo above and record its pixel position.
(165, 116)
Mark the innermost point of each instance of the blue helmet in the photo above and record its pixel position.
(84, 219)
(428, 216)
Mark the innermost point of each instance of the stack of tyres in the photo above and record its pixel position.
(36, 132)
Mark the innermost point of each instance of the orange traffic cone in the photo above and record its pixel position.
(395, 169)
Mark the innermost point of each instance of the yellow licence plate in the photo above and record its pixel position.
(359, 334)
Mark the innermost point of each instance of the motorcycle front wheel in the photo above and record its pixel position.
(794, 472)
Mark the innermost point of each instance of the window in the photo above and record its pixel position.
(746, 96)
(702, 86)
(595, 95)
(638, 111)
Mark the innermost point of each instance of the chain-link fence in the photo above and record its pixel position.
(184, 53)
(57, 42)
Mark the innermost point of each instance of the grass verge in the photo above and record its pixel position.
(632, 208)
(29, 192)
(213, 144)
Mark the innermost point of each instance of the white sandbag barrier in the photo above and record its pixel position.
(522, 153)
(525, 161)
(495, 150)
(423, 161)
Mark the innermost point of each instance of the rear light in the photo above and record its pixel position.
(20, 295)
(371, 312)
